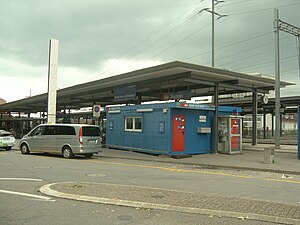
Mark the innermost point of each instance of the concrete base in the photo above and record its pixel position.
(269, 155)
(231, 153)
(180, 156)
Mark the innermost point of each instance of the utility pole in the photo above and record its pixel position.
(213, 13)
(298, 42)
(277, 80)
(213, 33)
(280, 25)
(216, 93)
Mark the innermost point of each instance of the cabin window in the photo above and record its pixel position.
(133, 123)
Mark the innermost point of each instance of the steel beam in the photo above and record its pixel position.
(254, 118)
(216, 128)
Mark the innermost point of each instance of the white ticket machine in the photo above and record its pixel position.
(230, 134)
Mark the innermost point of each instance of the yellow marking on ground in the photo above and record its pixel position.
(200, 172)
(175, 169)
(283, 181)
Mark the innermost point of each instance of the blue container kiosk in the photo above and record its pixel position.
(166, 128)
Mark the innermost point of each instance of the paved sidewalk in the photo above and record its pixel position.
(286, 160)
(173, 200)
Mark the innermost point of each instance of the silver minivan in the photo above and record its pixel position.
(65, 139)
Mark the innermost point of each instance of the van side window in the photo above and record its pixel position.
(50, 130)
(37, 131)
(65, 130)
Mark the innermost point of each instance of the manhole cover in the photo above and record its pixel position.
(96, 175)
(125, 217)
(157, 196)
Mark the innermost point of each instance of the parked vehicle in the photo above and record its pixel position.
(65, 139)
(7, 140)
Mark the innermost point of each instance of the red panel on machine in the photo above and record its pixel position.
(235, 126)
(235, 140)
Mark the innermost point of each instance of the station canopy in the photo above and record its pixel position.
(174, 80)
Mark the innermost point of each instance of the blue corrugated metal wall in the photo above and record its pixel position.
(150, 139)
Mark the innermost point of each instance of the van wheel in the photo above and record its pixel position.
(88, 155)
(24, 149)
(8, 148)
(67, 152)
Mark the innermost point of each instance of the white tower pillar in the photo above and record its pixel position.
(52, 80)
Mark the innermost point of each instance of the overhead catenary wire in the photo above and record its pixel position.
(264, 44)
(174, 44)
(234, 3)
(154, 44)
(260, 10)
(231, 44)
(241, 58)
(286, 59)
(129, 50)
(254, 55)
(230, 3)
(185, 38)
(169, 47)
(238, 41)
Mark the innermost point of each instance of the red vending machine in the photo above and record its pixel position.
(230, 134)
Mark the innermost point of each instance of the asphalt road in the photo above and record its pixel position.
(21, 203)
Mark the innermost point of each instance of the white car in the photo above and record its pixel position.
(7, 140)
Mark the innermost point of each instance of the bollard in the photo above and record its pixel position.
(269, 155)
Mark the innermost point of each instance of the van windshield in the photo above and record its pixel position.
(90, 131)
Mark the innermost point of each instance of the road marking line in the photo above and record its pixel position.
(16, 178)
(27, 195)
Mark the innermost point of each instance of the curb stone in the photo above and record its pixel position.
(46, 189)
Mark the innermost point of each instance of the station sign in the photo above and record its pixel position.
(96, 111)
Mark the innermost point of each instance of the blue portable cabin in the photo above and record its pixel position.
(166, 128)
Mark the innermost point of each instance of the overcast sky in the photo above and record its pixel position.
(101, 38)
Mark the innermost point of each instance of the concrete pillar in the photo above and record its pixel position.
(216, 129)
(272, 124)
(264, 124)
(281, 130)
